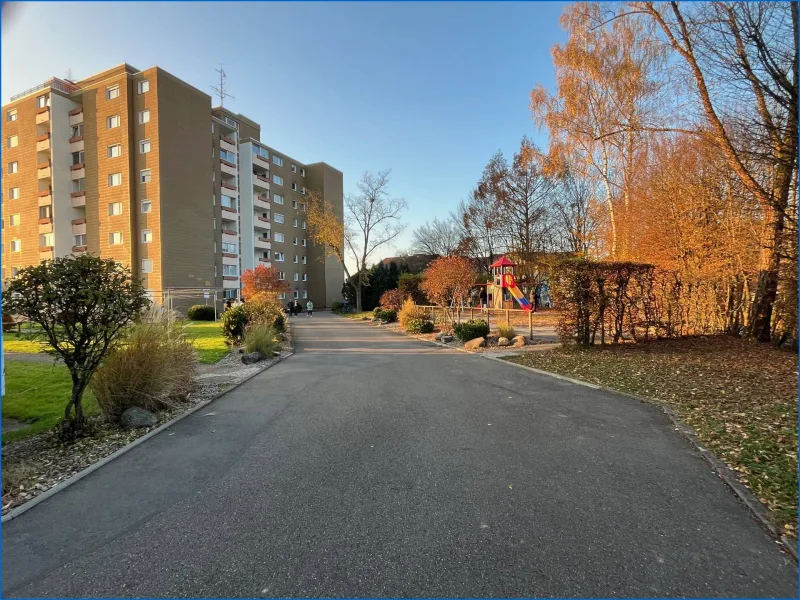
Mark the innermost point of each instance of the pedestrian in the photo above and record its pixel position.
(310, 308)
(297, 308)
(289, 308)
(229, 304)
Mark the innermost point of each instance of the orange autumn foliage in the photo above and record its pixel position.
(262, 284)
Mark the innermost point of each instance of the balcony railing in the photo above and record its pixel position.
(54, 83)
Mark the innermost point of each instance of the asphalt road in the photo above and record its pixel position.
(370, 464)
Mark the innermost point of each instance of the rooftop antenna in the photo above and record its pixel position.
(221, 89)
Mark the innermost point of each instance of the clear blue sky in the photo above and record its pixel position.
(430, 90)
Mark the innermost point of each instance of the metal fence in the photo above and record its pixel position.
(514, 316)
(180, 299)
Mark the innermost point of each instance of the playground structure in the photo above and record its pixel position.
(502, 291)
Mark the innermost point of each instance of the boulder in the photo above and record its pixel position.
(518, 341)
(475, 344)
(251, 358)
(136, 417)
(503, 342)
(446, 339)
(492, 338)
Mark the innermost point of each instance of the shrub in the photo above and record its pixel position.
(419, 326)
(409, 286)
(387, 316)
(201, 312)
(471, 329)
(410, 311)
(268, 312)
(153, 369)
(260, 337)
(337, 306)
(8, 322)
(234, 321)
(506, 330)
(392, 300)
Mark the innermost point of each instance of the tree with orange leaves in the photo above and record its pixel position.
(262, 284)
(448, 281)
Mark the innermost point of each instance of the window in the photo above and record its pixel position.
(281, 296)
(304, 260)
(262, 152)
(304, 241)
(79, 239)
(77, 130)
(302, 172)
(47, 240)
(277, 198)
(78, 158)
(294, 187)
(296, 295)
(294, 222)
(231, 122)
(14, 271)
(13, 167)
(79, 185)
(296, 259)
(266, 254)
(278, 217)
(303, 191)
(305, 294)
(277, 179)
(13, 193)
(46, 212)
(278, 236)
(114, 238)
(114, 209)
(280, 257)
(144, 146)
(112, 92)
(294, 203)
(11, 115)
(144, 86)
(114, 151)
(305, 277)
(294, 168)
(228, 201)
(229, 156)
(229, 294)
(112, 122)
(147, 206)
(13, 220)
(277, 160)
(304, 224)
(229, 248)
(281, 275)
(16, 245)
(13, 141)
(303, 206)
(297, 277)
(294, 241)
(144, 176)
(144, 116)
(41, 101)
(147, 236)
(114, 179)
(147, 265)
(215, 223)
(230, 270)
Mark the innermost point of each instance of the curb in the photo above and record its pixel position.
(757, 510)
(22, 508)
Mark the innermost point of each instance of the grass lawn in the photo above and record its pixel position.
(208, 341)
(37, 393)
(14, 342)
(739, 396)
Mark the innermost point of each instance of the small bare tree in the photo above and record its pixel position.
(437, 237)
(371, 219)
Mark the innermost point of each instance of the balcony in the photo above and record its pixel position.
(78, 227)
(79, 249)
(45, 226)
(228, 186)
(227, 144)
(262, 223)
(45, 197)
(43, 170)
(263, 243)
(76, 143)
(227, 167)
(43, 115)
(78, 171)
(261, 202)
(229, 213)
(228, 232)
(230, 282)
(76, 116)
(261, 182)
(43, 143)
(78, 199)
(265, 261)
(261, 161)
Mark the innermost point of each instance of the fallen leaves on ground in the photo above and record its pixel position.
(739, 396)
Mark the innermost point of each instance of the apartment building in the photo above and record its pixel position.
(137, 166)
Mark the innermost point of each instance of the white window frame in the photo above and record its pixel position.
(278, 218)
(235, 270)
(296, 295)
(294, 222)
(11, 115)
(277, 199)
(15, 246)
(13, 193)
(41, 101)
(112, 91)
(13, 220)
(145, 176)
(305, 294)
(13, 167)
(144, 116)
(280, 257)
(281, 276)
(277, 179)
(279, 237)
(47, 240)
(304, 224)
(148, 204)
(294, 204)
(143, 86)
(302, 172)
(294, 186)
(144, 146)
(111, 235)
(13, 141)
(304, 242)
(113, 121)
(294, 241)
(305, 277)
(147, 262)
(296, 259)
(147, 236)
(79, 185)
(277, 160)
(111, 150)
(77, 130)
(297, 276)
(112, 206)
(112, 177)
(78, 237)
(304, 260)
(294, 168)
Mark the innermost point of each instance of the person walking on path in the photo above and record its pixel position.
(297, 308)
(310, 308)
(290, 308)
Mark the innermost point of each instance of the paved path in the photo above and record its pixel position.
(370, 464)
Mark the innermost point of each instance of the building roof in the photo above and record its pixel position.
(503, 262)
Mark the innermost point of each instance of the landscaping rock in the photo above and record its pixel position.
(503, 342)
(492, 338)
(136, 417)
(475, 344)
(252, 358)
(241, 350)
(446, 339)
(518, 341)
